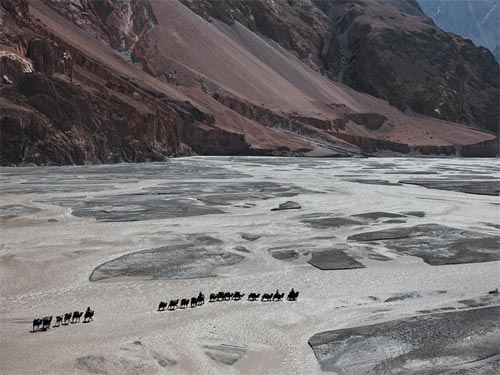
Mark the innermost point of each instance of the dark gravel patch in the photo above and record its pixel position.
(428, 344)
(333, 260)
(186, 261)
(482, 187)
(437, 244)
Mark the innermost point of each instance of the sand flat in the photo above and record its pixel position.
(46, 265)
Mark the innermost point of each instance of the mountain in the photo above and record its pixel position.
(389, 49)
(107, 81)
(478, 20)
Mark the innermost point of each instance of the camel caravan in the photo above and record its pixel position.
(44, 323)
(225, 296)
(185, 302)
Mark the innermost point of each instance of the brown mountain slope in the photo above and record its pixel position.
(236, 62)
(181, 83)
(389, 49)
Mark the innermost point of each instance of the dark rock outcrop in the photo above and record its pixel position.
(475, 20)
(393, 51)
(61, 106)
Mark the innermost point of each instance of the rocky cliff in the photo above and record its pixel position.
(61, 107)
(108, 81)
(61, 104)
(390, 49)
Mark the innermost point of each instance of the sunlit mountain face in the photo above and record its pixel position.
(477, 20)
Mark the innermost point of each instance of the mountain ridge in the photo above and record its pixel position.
(259, 99)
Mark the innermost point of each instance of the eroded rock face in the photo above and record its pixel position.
(120, 24)
(14, 67)
(393, 51)
(62, 106)
(49, 120)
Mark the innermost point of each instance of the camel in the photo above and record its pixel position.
(266, 297)
(37, 323)
(213, 297)
(184, 303)
(46, 322)
(173, 304)
(292, 296)
(162, 305)
(227, 296)
(67, 318)
(201, 299)
(237, 296)
(89, 316)
(253, 296)
(194, 301)
(278, 297)
(76, 317)
(59, 320)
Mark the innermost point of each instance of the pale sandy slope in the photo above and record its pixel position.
(260, 71)
(45, 268)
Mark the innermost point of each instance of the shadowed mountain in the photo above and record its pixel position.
(475, 20)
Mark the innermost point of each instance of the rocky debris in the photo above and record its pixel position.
(289, 205)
